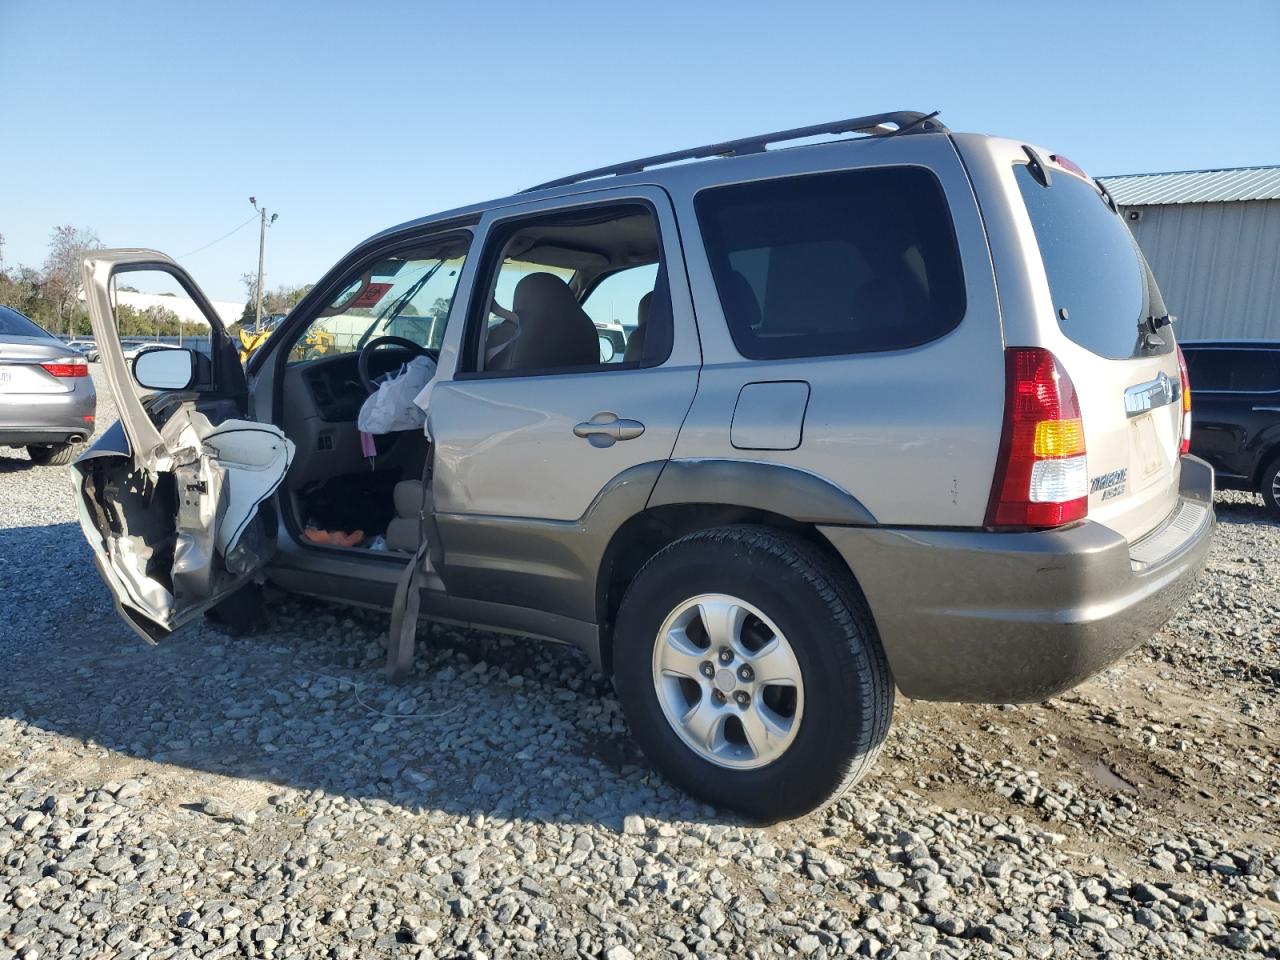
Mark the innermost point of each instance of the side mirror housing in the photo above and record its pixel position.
(165, 369)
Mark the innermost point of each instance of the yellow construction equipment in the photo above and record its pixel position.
(316, 343)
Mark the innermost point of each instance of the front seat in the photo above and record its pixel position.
(635, 342)
(411, 499)
(554, 330)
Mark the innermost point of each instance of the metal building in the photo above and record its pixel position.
(1212, 238)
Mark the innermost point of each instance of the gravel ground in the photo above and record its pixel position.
(270, 796)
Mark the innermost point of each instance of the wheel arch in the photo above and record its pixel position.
(1268, 455)
(643, 535)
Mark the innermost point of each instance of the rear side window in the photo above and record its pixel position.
(834, 263)
(1246, 371)
(1097, 278)
(14, 324)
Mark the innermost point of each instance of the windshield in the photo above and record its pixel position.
(406, 295)
(14, 324)
(1097, 277)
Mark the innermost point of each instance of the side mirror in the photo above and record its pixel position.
(165, 369)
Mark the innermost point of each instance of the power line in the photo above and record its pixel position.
(220, 239)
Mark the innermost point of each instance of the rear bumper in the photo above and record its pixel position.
(53, 418)
(13, 437)
(977, 616)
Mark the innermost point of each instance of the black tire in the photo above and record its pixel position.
(53, 454)
(848, 689)
(241, 614)
(1269, 487)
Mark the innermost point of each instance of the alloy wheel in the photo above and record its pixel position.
(728, 681)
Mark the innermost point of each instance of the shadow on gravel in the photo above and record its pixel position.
(13, 461)
(1237, 511)
(486, 725)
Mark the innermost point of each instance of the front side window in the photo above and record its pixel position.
(559, 286)
(404, 295)
(1231, 371)
(1097, 277)
(834, 263)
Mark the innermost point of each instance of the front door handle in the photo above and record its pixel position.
(606, 429)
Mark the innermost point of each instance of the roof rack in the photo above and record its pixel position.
(875, 125)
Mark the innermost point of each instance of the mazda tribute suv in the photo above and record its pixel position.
(893, 409)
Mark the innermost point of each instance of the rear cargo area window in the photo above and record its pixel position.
(1096, 276)
(835, 263)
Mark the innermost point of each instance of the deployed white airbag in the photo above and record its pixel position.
(391, 407)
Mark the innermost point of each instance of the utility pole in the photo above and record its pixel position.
(262, 246)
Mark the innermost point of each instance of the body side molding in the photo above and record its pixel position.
(760, 485)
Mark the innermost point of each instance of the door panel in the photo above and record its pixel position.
(173, 513)
(507, 446)
(1219, 431)
(534, 470)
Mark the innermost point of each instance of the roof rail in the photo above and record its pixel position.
(874, 125)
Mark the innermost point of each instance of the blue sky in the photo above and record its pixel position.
(153, 122)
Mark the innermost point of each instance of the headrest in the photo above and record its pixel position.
(739, 300)
(540, 292)
(642, 309)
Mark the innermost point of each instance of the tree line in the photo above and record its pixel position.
(280, 300)
(50, 294)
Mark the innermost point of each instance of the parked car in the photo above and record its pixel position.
(900, 409)
(47, 401)
(87, 347)
(1237, 422)
(133, 348)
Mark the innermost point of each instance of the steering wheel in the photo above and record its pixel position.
(366, 352)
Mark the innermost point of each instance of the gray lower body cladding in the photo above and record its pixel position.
(984, 617)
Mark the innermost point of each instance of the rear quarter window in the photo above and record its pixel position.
(834, 263)
(1096, 274)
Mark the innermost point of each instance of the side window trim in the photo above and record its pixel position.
(489, 263)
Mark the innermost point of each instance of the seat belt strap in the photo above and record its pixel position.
(402, 637)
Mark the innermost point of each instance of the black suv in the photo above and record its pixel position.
(1236, 426)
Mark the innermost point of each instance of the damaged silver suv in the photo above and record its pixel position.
(767, 435)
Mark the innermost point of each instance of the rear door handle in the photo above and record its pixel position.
(1266, 409)
(606, 429)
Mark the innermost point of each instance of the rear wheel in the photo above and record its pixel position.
(52, 454)
(750, 671)
(1270, 488)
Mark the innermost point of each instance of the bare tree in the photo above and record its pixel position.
(67, 247)
(250, 281)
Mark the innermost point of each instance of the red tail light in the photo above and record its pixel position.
(1185, 446)
(1041, 479)
(71, 367)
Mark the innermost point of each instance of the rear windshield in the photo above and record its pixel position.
(1097, 277)
(833, 263)
(14, 324)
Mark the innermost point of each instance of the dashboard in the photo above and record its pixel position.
(322, 398)
(334, 382)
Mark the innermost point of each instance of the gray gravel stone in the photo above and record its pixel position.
(271, 796)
